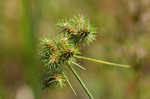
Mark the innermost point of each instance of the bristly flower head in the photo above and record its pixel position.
(77, 29)
(49, 54)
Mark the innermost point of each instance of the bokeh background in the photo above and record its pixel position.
(123, 36)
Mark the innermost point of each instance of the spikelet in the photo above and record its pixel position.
(78, 30)
(49, 54)
(67, 50)
(53, 80)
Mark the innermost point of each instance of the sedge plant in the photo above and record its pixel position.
(60, 54)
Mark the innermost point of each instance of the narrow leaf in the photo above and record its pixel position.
(78, 65)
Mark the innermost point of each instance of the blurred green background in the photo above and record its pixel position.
(123, 36)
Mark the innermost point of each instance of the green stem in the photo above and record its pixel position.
(80, 81)
(102, 62)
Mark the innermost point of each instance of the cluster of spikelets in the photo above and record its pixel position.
(56, 54)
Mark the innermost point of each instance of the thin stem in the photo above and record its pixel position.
(81, 82)
(78, 65)
(69, 84)
(102, 62)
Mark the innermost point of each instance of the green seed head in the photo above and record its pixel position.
(49, 54)
(78, 30)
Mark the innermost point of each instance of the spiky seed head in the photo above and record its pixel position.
(78, 30)
(49, 54)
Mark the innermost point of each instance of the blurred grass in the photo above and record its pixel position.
(29, 44)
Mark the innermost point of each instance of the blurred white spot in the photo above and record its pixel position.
(24, 92)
